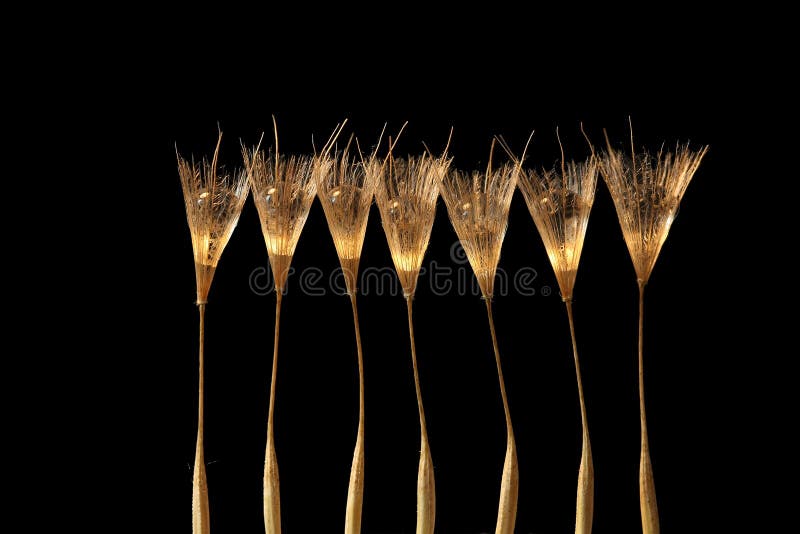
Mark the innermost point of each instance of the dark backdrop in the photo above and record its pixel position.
(691, 318)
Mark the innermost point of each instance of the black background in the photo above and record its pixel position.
(695, 317)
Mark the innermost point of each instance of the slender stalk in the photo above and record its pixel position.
(584, 512)
(355, 491)
(426, 487)
(647, 488)
(272, 493)
(509, 487)
(201, 520)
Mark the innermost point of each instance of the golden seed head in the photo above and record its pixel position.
(560, 201)
(345, 187)
(406, 197)
(214, 200)
(478, 205)
(283, 190)
(647, 191)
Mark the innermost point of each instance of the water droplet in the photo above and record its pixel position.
(670, 207)
(466, 209)
(345, 195)
(270, 199)
(401, 208)
(202, 197)
(549, 205)
(571, 203)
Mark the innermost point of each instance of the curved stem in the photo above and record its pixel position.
(201, 521)
(509, 487)
(272, 494)
(278, 300)
(201, 308)
(355, 491)
(426, 487)
(584, 512)
(642, 415)
(647, 488)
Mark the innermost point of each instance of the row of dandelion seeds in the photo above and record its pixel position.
(646, 189)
